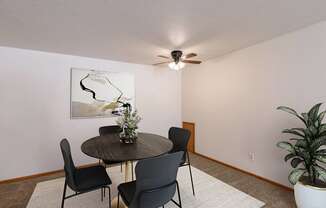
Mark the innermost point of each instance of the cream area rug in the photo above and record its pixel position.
(210, 193)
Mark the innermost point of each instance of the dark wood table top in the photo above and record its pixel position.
(109, 147)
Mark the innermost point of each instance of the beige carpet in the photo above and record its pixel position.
(210, 193)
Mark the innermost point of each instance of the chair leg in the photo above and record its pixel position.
(104, 188)
(64, 195)
(102, 194)
(132, 170)
(121, 167)
(109, 197)
(192, 182)
(179, 195)
(118, 200)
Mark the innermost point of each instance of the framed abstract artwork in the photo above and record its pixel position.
(100, 93)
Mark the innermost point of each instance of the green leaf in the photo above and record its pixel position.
(287, 146)
(322, 128)
(321, 158)
(287, 109)
(304, 155)
(305, 117)
(321, 171)
(295, 175)
(299, 129)
(312, 131)
(313, 113)
(322, 134)
(295, 162)
(295, 139)
(316, 122)
(321, 152)
(289, 156)
(302, 131)
(321, 116)
(290, 131)
(301, 143)
(317, 143)
(312, 173)
(291, 111)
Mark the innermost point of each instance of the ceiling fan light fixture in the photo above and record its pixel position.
(178, 60)
(177, 66)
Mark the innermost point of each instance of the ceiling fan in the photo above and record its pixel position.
(178, 60)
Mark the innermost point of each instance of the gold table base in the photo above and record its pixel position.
(128, 178)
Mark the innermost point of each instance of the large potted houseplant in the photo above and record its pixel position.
(307, 153)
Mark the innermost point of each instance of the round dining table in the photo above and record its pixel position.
(109, 147)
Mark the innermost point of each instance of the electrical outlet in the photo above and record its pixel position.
(252, 156)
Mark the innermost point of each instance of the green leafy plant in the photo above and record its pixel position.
(128, 122)
(306, 149)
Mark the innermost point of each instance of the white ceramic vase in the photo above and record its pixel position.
(307, 196)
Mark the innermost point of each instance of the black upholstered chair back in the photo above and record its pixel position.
(156, 180)
(69, 165)
(109, 130)
(104, 130)
(180, 138)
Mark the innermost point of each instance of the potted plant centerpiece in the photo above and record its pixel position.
(128, 122)
(307, 154)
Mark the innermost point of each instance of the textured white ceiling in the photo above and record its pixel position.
(138, 30)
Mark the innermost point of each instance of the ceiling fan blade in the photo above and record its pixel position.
(161, 56)
(165, 62)
(191, 61)
(190, 55)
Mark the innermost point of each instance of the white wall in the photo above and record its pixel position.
(233, 99)
(35, 107)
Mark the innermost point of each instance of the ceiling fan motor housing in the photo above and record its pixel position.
(176, 55)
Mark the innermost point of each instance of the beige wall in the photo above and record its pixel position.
(233, 99)
(35, 107)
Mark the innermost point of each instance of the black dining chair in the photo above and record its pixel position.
(155, 185)
(82, 180)
(180, 138)
(104, 130)
(113, 129)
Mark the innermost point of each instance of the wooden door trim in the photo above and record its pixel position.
(194, 133)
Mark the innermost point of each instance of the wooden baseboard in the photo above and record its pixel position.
(244, 171)
(22, 178)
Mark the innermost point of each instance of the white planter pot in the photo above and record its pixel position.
(309, 196)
